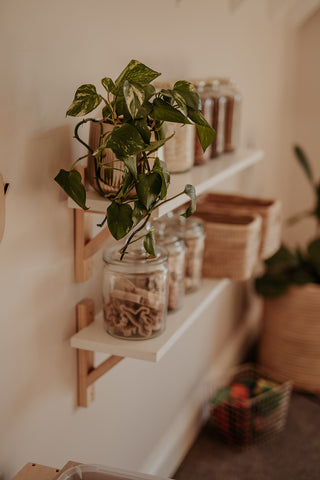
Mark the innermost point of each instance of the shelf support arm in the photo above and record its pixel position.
(87, 373)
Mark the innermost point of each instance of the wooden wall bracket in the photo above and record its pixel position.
(85, 248)
(4, 187)
(87, 373)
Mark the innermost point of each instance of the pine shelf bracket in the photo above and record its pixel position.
(85, 248)
(87, 373)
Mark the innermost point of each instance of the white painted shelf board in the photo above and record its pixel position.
(95, 338)
(203, 177)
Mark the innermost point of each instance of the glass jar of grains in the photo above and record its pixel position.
(176, 263)
(191, 230)
(233, 110)
(135, 293)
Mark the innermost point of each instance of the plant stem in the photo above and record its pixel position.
(123, 250)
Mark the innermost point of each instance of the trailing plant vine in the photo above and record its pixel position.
(137, 113)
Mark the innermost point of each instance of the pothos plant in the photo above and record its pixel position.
(294, 267)
(137, 112)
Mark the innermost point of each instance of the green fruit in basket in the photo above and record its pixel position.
(222, 395)
(269, 402)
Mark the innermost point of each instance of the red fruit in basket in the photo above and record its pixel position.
(239, 391)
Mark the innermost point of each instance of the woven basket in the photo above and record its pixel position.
(269, 210)
(109, 180)
(179, 150)
(231, 245)
(290, 340)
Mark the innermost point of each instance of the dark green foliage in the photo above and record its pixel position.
(138, 114)
(285, 267)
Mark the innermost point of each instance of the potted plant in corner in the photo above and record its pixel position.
(290, 285)
(127, 137)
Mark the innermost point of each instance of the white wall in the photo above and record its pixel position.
(47, 50)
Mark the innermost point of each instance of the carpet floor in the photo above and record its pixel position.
(294, 454)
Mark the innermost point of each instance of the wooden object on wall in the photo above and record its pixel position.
(87, 373)
(84, 247)
(3, 191)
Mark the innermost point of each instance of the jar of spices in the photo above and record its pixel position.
(135, 293)
(191, 230)
(176, 263)
(233, 111)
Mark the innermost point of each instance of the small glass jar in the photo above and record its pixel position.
(191, 230)
(135, 293)
(233, 111)
(176, 263)
(178, 152)
(218, 116)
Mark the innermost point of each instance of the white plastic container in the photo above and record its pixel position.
(100, 472)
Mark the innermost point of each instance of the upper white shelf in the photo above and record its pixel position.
(95, 338)
(203, 177)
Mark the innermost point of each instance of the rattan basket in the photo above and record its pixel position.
(290, 338)
(231, 245)
(269, 210)
(248, 421)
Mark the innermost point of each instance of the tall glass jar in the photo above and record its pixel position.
(191, 230)
(218, 116)
(135, 293)
(176, 263)
(233, 112)
(201, 157)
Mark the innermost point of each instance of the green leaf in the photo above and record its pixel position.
(191, 192)
(125, 141)
(205, 132)
(163, 111)
(136, 72)
(161, 167)
(131, 164)
(316, 211)
(149, 91)
(283, 258)
(301, 156)
(85, 100)
(106, 112)
(270, 286)
(153, 146)
(188, 93)
(139, 212)
(119, 219)
(148, 188)
(127, 185)
(141, 125)
(149, 244)
(108, 84)
(71, 183)
(134, 96)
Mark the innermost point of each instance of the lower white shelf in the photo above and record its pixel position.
(95, 338)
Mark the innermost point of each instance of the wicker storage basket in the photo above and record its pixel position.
(231, 245)
(290, 339)
(269, 210)
(248, 421)
(109, 180)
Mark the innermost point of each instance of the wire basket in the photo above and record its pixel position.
(247, 421)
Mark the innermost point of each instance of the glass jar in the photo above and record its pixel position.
(135, 293)
(178, 152)
(218, 116)
(191, 230)
(201, 157)
(233, 111)
(176, 263)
